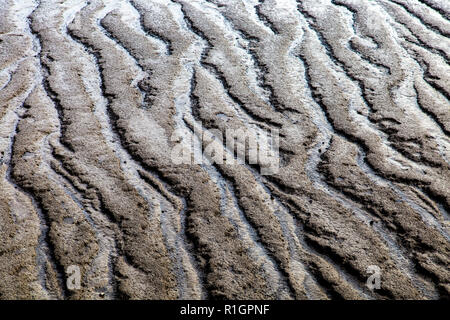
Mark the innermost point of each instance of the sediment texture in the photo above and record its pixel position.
(93, 92)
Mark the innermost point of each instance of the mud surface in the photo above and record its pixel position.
(93, 92)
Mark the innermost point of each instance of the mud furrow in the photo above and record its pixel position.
(214, 149)
(440, 7)
(440, 26)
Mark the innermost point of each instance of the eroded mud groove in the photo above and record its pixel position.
(98, 100)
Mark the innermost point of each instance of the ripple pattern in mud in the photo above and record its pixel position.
(93, 92)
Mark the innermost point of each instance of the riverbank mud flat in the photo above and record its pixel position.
(97, 98)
